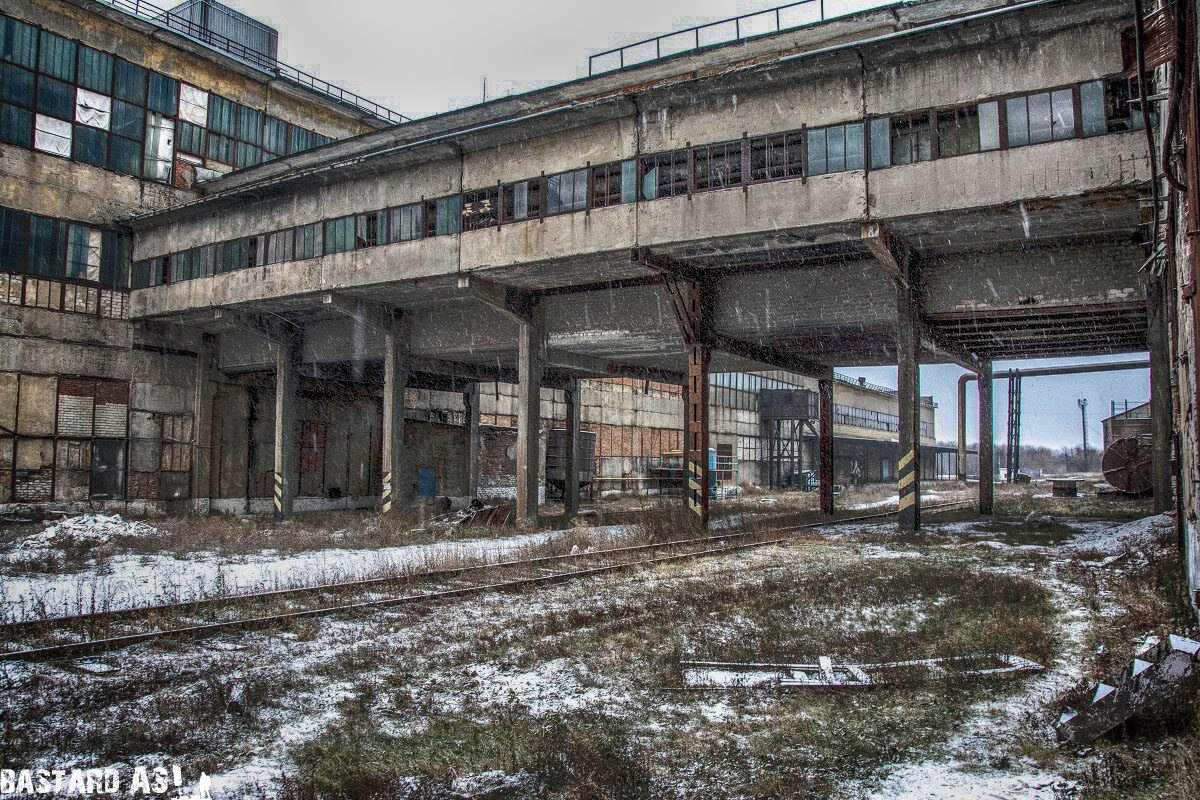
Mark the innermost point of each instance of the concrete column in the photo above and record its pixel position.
(825, 444)
(394, 491)
(530, 347)
(962, 426)
(202, 422)
(987, 470)
(696, 491)
(570, 453)
(908, 390)
(284, 492)
(471, 404)
(1160, 393)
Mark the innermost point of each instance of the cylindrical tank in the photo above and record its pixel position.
(586, 458)
(1126, 464)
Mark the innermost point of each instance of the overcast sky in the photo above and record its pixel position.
(425, 58)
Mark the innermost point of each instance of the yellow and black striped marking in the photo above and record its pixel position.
(278, 496)
(909, 489)
(696, 487)
(386, 505)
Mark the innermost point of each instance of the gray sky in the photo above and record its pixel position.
(426, 58)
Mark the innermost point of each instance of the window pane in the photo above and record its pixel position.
(90, 146)
(189, 138)
(18, 42)
(56, 98)
(275, 136)
(1091, 103)
(249, 125)
(160, 147)
(193, 105)
(247, 155)
(125, 155)
(449, 215)
(300, 139)
(164, 94)
(1063, 113)
(57, 57)
(989, 126)
(16, 126)
(520, 200)
(818, 152)
(649, 179)
(114, 268)
(1122, 111)
(77, 249)
(52, 135)
(47, 246)
(14, 239)
(128, 120)
(881, 143)
(339, 235)
(95, 70)
(222, 116)
(220, 148)
(130, 82)
(16, 85)
(1040, 119)
(628, 181)
(1018, 121)
(854, 146)
(835, 148)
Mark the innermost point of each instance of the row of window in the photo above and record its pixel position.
(53, 248)
(871, 420)
(1088, 109)
(65, 98)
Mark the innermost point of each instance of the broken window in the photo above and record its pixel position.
(405, 223)
(835, 149)
(52, 135)
(339, 235)
(480, 209)
(1122, 107)
(193, 105)
(665, 175)
(912, 138)
(368, 229)
(958, 131)
(718, 165)
(614, 183)
(92, 109)
(523, 200)
(83, 253)
(160, 147)
(774, 158)
(566, 191)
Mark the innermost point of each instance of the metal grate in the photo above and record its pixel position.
(272, 66)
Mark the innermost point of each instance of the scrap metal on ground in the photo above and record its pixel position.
(827, 673)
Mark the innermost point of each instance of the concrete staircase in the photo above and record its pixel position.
(1153, 674)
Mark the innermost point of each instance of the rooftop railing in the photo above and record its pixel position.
(734, 29)
(159, 16)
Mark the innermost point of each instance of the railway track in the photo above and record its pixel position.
(439, 584)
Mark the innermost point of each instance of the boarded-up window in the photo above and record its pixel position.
(176, 446)
(35, 411)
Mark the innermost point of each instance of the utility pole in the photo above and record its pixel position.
(1083, 421)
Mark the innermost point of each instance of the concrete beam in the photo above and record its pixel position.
(517, 305)
(768, 354)
(892, 254)
(379, 318)
(274, 329)
(613, 369)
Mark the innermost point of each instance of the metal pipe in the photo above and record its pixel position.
(1036, 372)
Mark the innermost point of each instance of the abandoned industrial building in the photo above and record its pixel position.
(291, 345)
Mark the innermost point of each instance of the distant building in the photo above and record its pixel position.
(1129, 421)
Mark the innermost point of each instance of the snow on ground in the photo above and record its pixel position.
(894, 500)
(1148, 533)
(89, 529)
(125, 580)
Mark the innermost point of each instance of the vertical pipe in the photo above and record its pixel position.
(825, 444)
(962, 425)
(908, 390)
(1160, 393)
(529, 384)
(570, 455)
(391, 456)
(987, 471)
(283, 493)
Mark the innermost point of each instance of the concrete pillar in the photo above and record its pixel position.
(1160, 393)
(530, 346)
(202, 422)
(987, 472)
(696, 491)
(962, 426)
(908, 390)
(285, 419)
(394, 491)
(570, 454)
(471, 404)
(825, 444)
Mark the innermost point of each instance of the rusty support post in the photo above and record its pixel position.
(471, 404)
(1160, 393)
(531, 352)
(908, 390)
(987, 471)
(825, 444)
(283, 492)
(205, 390)
(698, 474)
(395, 382)
(963, 380)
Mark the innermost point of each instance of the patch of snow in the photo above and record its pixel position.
(89, 529)
(1148, 533)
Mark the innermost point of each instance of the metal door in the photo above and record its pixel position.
(108, 469)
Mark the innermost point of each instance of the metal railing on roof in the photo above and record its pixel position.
(734, 29)
(862, 383)
(174, 22)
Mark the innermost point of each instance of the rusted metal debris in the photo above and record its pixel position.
(1153, 675)
(828, 673)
